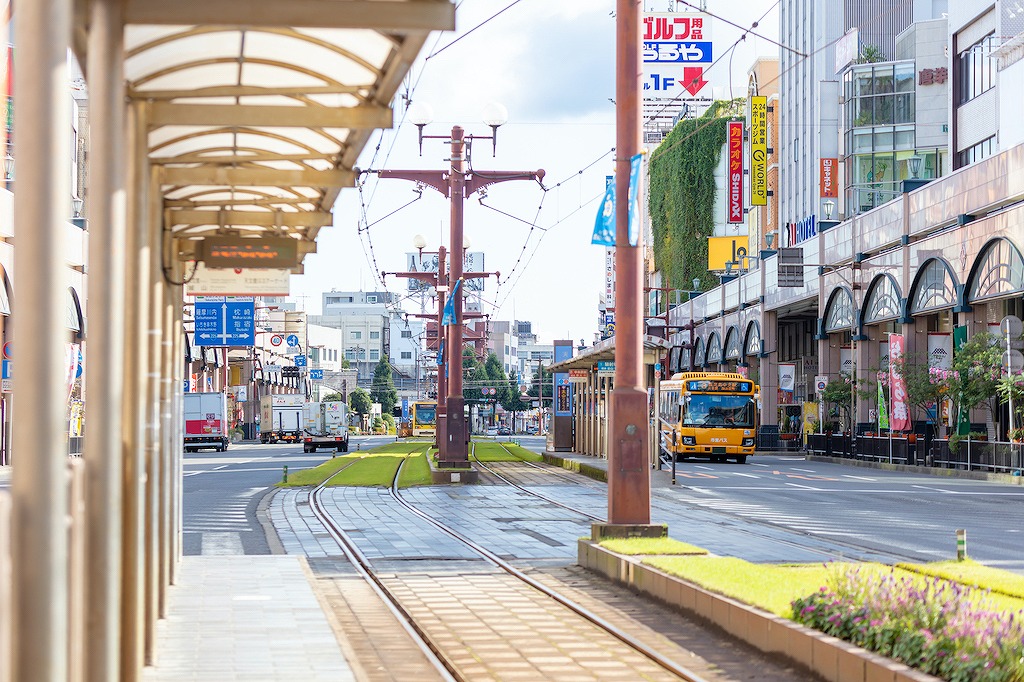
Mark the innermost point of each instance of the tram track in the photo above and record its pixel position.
(895, 557)
(443, 661)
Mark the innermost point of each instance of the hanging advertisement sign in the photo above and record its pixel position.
(897, 386)
(787, 377)
(759, 151)
(734, 195)
(846, 361)
(940, 350)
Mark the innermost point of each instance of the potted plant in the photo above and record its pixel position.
(1017, 434)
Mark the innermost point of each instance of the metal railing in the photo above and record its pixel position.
(970, 455)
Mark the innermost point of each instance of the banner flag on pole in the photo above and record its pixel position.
(604, 226)
(634, 203)
(449, 307)
(897, 385)
(440, 353)
(883, 411)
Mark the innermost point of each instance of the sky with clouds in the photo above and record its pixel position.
(551, 64)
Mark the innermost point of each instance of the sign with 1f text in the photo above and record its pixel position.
(225, 321)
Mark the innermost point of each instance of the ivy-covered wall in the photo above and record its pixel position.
(682, 195)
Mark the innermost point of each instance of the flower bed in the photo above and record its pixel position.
(937, 626)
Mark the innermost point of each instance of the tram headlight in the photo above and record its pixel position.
(689, 440)
(748, 442)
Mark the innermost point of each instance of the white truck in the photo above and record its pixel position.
(281, 418)
(206, 421)
(325, 425)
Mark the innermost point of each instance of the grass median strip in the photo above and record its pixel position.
(652, 546)
(375, 467)
(973, 574)
(495, 452)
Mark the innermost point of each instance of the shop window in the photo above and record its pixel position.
(839, 313)
(714, 355)
(998, 271)
(753, 346)
(883, 301)
(976, 69)
(935, 288)
(732, 344)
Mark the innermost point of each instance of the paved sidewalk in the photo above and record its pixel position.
(245, 618)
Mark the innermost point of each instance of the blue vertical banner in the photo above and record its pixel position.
(562, 389)
(449, 307)
(405, 409)
(634, 200)
(604, 226)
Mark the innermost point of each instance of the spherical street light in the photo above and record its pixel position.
(420, 114)
(495, 115)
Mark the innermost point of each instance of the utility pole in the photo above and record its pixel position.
(456, 184)
(438, 280)
(629, 484)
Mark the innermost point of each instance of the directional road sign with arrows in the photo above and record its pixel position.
(225, 321)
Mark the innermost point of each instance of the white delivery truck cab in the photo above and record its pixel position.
(325, 425)
(281, 418)
(206, 421)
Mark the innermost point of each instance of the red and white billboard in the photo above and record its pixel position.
(900, 411)
(828, 186)
(734, 201)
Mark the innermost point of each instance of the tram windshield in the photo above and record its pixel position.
(726, 411)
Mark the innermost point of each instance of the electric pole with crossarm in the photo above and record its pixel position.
(456, 184)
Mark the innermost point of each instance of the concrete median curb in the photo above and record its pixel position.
(831, 658)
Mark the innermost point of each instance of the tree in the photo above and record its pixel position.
(511, 399)
(359, 401)
(383, 389)
(974, 380)
(923, 391)
(345, 364)
(543, 388)
(333, 396)
(839, 392)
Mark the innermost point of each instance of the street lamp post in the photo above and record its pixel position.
(456, 183)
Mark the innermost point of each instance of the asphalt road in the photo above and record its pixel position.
(223, 489)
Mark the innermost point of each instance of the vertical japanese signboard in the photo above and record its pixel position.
(828, 186)
(758, 151)
(562, 393)
(734, 200)
(900, 408)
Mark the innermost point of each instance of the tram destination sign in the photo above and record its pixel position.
(249, 252)
(717, 386)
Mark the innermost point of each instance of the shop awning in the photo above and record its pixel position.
(654, 349)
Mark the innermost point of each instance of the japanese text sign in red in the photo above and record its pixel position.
(828, 186)
(735, 197)
(900, 417)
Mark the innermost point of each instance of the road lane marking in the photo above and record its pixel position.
(758, 464)
(805, 487)
(935, 490)
(859, 478)
(740, 473)
(806, 471)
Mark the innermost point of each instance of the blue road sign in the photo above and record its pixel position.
(316, 374)
(293, 340)
(405, 409)
(7, 369)
(300, 360)
(225, 321)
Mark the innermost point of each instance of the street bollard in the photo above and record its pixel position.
(961, 544)
(673, 468)
(285, 480)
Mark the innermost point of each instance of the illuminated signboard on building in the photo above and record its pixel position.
(246, 252)
(828, 186)
(759, 151)
(734, 201)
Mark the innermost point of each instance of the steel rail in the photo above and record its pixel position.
(906, 556)
(638, 646)
(433, 654)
